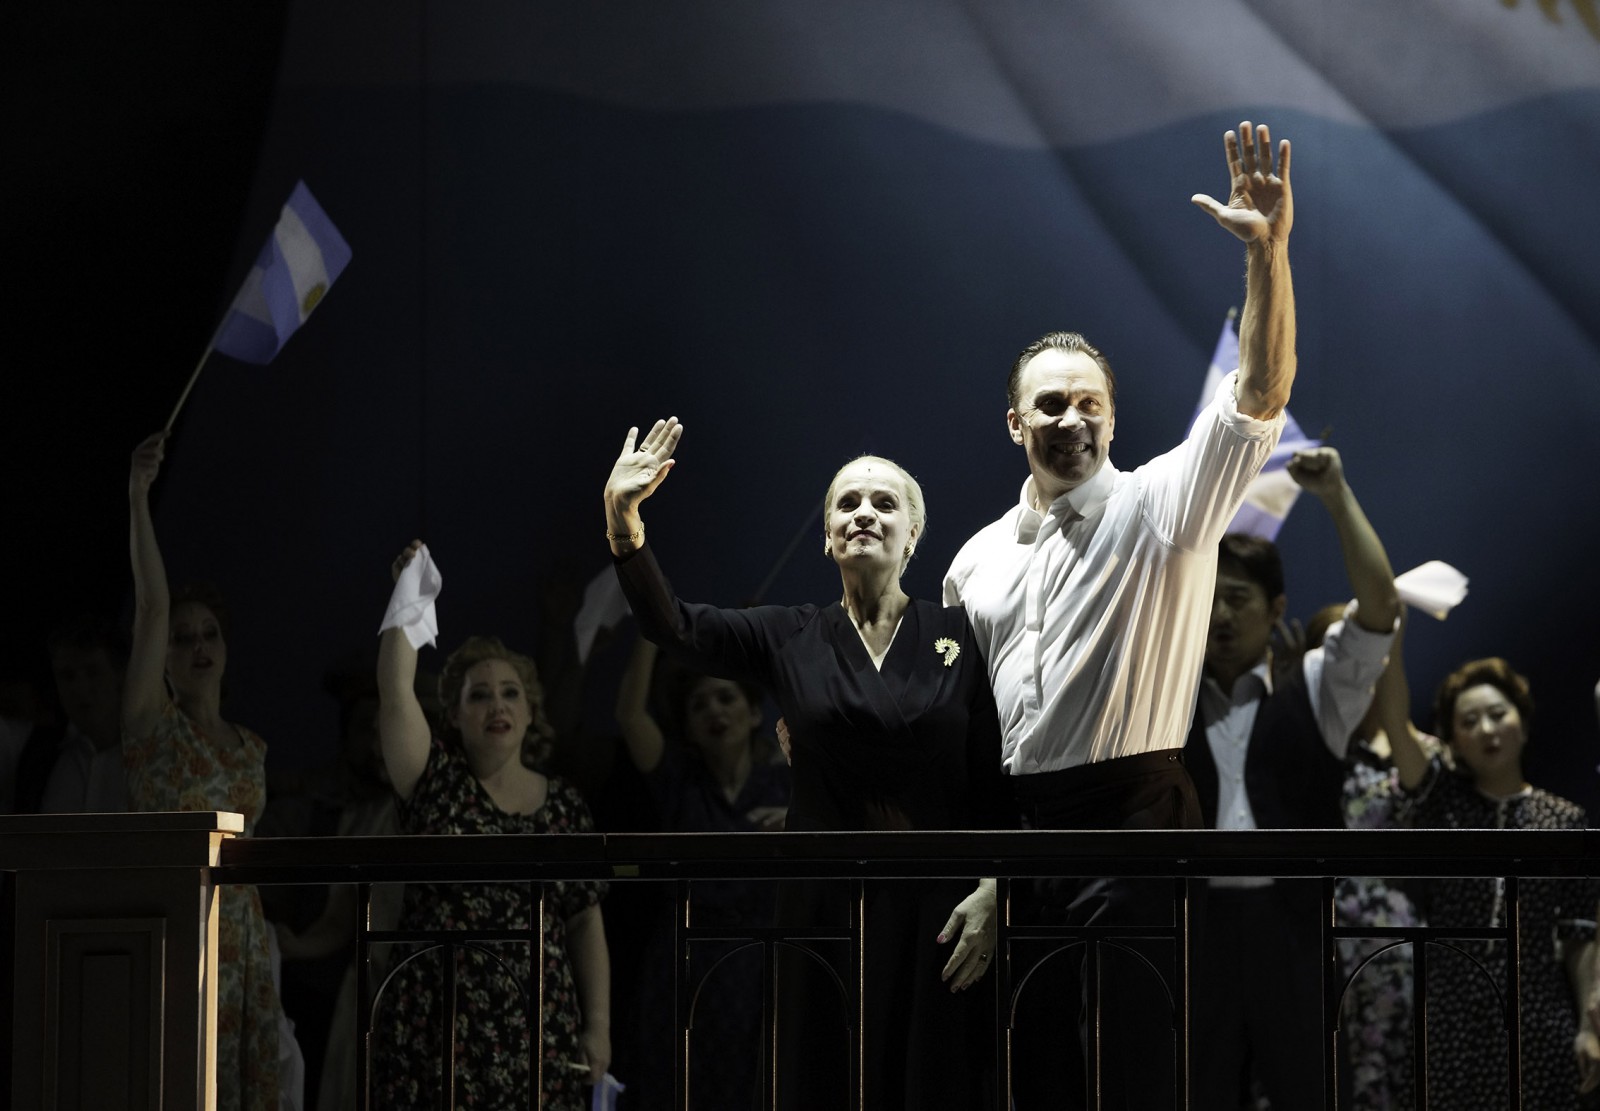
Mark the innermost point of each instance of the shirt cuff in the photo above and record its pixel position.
(1242, 424)
(1353, 642)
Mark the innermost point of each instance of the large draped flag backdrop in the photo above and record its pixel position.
(814, 228)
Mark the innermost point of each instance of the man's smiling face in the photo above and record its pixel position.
(1066, 420)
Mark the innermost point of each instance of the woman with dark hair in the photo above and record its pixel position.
(484, 775)
(892, 727)
(180, 753)
(1483, 711)
(705, 767)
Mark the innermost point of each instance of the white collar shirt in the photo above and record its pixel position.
(1092, 615)
(1340, 676)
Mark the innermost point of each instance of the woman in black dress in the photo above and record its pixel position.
(708, 772)
(892, 727)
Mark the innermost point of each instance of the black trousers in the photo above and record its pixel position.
(1137, 1033)
(1257, 978)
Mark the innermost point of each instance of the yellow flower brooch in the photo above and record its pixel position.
(948, 649)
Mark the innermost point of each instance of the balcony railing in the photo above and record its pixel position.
(96, 875)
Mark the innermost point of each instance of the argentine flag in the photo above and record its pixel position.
(302, 257)
(1270, 497)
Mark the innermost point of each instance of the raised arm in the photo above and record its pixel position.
(639, 729)
(1393, 699)
(402, 727)
(1320, 471)
(634, 477)
(143, 687)
(1260, 211)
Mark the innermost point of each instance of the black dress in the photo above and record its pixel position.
(1467, 1048)
(725, 1040)
(913, 746)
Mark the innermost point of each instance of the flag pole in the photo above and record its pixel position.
(783, 560)
(184, 396)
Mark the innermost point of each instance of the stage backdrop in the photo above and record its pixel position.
(817, 228)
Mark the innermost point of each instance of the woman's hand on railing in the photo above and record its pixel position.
(768, 819)
(974, 920)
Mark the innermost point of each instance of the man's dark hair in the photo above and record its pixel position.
(1060, 341)
(1254, 558)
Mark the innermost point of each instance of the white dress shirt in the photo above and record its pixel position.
(1340, 676)
(1093, 615)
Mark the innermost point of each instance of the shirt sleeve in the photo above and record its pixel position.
(737, 644)
(956, 577)
(1193, 491)
(1340, 677)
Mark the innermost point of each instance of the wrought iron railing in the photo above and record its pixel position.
(861, 858)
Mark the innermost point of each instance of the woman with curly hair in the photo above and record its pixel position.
(483, 775)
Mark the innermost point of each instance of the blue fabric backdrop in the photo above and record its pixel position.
(816, 229)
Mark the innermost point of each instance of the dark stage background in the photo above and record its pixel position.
(809, 230)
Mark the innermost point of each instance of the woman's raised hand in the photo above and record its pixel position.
(640, 469)
(403, 559)
(147, 463)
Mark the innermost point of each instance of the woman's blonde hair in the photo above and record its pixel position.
(539, 743)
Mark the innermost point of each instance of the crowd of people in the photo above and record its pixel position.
(1106, 656)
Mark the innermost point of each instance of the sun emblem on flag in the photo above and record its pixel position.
(313, 296)
(948, 649)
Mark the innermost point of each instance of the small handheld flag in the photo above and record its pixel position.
(301, 259)
(1272, 494)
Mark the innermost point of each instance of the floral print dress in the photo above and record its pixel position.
(491, 1056)
(176, 768)
(1467, 1046)
(1377, 1004)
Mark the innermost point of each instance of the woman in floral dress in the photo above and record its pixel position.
(1482, 711)
(181, 754)
(482, 777)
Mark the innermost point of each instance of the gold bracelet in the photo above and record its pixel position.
(630, 537)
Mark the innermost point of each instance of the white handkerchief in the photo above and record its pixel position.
(411, 604)
(1434, 588)
(603, 606)
(605, 1093)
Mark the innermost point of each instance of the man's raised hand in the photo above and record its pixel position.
(1260, 206)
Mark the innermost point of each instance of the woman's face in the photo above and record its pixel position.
(196, 653)
(717, 714)
(868, 518)
(495, 709)
(1486, 731)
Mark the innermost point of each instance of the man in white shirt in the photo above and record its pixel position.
(1267, 751)
(1090, 598)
